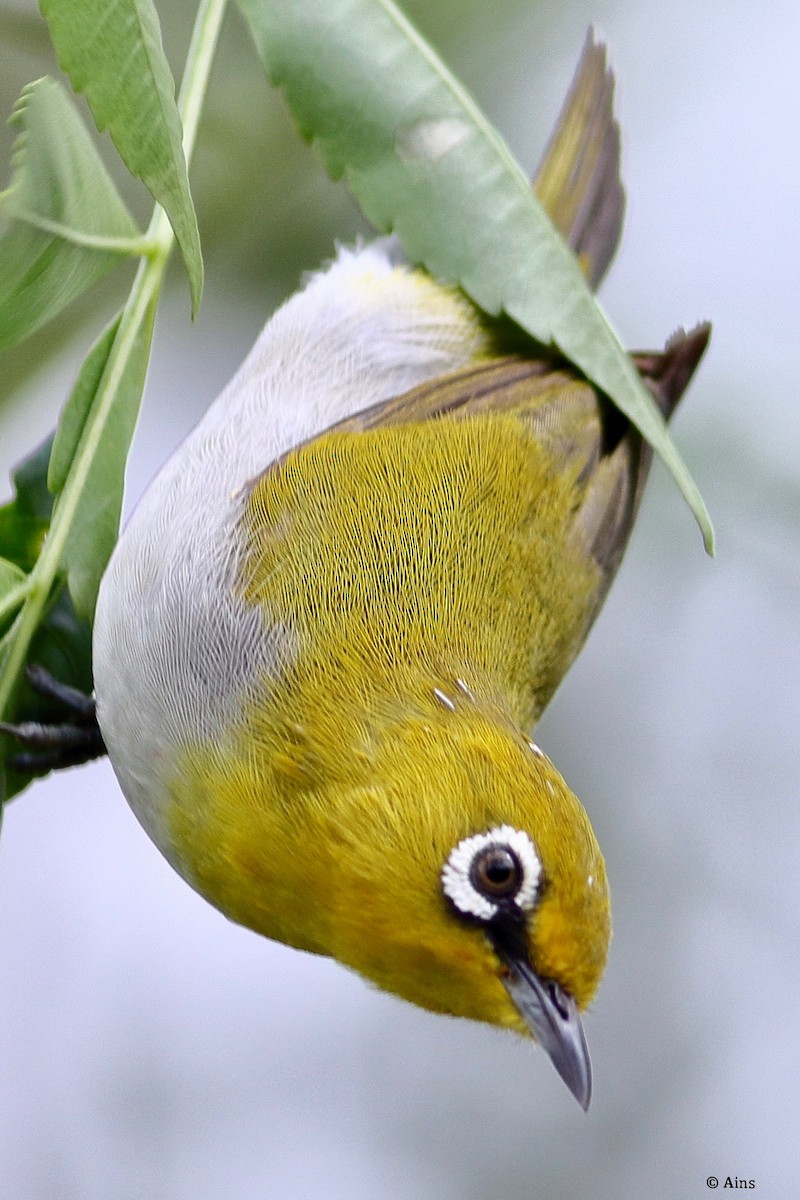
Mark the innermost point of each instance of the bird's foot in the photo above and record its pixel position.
(49, 747)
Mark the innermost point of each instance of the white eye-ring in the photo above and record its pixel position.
(489, 869)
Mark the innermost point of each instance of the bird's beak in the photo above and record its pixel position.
(552, 1017)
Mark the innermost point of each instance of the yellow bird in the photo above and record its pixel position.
(327, 632)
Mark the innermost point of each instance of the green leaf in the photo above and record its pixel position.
(11, 594)
(21, 537)
(63, 645)
(111, 50)
(76, 411)
(94, 527)
(422, 160)
(10, 576)
(63, 210)
(30, 482)
(62, 642)
(24, 521)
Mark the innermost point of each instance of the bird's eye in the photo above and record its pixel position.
(496, 872)
(490, 870)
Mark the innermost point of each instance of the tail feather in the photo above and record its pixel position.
(669, 372)
(578, 180)
(614, 493)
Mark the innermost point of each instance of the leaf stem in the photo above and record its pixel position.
(136, 321)
(13, 599)
(199, 60)
(134, 247)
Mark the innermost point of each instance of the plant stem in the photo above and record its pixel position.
(134, 247)
(199, 60)
(137, 317)
(13, 599)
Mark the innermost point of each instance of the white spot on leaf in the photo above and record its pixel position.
(430, 141)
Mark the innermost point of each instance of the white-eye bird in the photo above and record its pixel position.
(327, 632)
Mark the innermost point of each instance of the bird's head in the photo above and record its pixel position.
(470, 882)
(423, 841)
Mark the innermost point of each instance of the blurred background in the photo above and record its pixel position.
(149, 1048)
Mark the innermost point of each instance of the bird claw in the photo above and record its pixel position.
(54, 745)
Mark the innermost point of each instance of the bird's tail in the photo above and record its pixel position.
(578, 180)
(668, 373)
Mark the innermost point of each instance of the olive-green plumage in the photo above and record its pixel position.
(404, 561)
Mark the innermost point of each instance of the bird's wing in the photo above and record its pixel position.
(582, 433)
(578, 182)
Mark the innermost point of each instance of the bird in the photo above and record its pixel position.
(327, 632)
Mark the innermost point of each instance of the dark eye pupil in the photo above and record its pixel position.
(496, 872)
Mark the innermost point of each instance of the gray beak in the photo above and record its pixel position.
(552, 1017)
